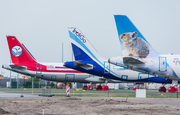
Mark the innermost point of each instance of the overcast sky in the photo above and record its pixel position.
(41, 25)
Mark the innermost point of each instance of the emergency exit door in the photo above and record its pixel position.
(106, 67)
(38, 69)
(162, 64)
(70, 77)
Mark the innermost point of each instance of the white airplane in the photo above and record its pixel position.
(23, 62)
(88, 60)
(138, 54)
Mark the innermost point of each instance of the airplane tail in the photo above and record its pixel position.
(19, 53)
(82, 48)
(131, 40)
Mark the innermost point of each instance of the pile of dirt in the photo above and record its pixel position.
(88, 106)
(2, 111)
(71, 98)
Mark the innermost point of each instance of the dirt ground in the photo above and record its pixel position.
(89, 106)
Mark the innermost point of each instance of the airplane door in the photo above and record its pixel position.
(143, 76)
(124, 77)
(53, 78)
(162, 64)
(70, 77)
(38, 69)
(106, 67)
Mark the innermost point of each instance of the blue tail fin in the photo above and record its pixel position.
(82, 48)
(131, 40)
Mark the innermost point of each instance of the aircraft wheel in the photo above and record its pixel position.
(105, 88)
(172, 89)
(134, 88)
(98, 87)
(162, 89)
(90, 87)
(84, 87)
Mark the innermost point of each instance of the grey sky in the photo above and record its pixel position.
(42, 25)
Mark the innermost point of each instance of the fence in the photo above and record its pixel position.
(90, 93)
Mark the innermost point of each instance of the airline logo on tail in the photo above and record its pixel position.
(17, 51)
(138, 54)
(135, 46)
(19, 54)
(82, 48)
(79, 35)
(132, 42)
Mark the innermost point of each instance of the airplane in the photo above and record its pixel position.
(88, 60)
(24, 63)
(138, 54)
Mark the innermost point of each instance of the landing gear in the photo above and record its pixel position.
(162, 89)
(105, 87)
(84, 87)
(98, 87)
(134, 88)
(173, 88)
(90, 87)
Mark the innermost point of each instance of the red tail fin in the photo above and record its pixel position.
(18, 52)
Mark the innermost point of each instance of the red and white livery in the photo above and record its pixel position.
(23, 62)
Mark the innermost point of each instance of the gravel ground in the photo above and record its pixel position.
(89, 106)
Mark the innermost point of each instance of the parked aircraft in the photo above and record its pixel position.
(88, 60)
(23, 62)
(139, 55)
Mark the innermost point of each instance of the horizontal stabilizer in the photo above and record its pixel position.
(17, 67)
(83, 65)
(131, 60)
